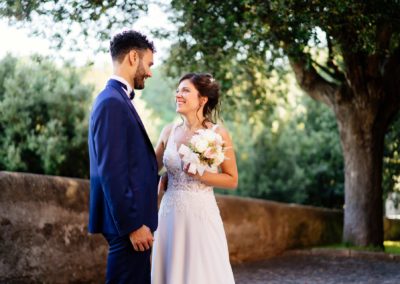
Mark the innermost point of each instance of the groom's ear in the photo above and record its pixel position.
(133, 56)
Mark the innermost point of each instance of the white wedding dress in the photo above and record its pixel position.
(190, 245)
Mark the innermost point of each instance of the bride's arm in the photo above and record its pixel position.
(228, 176)
(161, 144)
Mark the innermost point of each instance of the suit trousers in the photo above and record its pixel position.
(124, 264)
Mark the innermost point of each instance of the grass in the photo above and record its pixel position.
(392, 247)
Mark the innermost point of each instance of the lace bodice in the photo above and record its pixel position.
(184, 193)
(177, 178)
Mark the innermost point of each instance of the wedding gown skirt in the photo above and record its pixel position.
(190, 245)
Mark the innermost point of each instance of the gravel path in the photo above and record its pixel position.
(327, 269)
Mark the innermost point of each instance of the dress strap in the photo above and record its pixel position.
(171, 134)
(215, 126)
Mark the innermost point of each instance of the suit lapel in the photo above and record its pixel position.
(116, 85)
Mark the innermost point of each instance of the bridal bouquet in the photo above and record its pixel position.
(204, 152)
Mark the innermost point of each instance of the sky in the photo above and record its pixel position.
(20, 43)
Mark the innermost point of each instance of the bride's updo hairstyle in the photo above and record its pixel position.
(207, 87)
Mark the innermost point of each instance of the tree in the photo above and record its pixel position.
(159, 95)
(357, 74)
(291, 154)
(73, 21)
(298, 159)
(44, 117)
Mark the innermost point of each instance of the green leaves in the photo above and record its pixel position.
(44, 110)
(69, 22)
(293, 156)
(228, 36)
(391, 158)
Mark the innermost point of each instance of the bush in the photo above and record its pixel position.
(43, 123)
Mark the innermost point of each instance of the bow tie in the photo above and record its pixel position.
(125, 88)
(132, 95)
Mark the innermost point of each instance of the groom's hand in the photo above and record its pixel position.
(141, 239)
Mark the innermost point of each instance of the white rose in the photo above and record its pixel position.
(195, 139)
(209, 135)
(218, 139)
(201, 145)
(220, 158)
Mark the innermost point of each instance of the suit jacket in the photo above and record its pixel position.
(123, 166)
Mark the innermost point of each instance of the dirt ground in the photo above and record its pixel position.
(326, 269)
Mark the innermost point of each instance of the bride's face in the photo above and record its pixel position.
(187, 98)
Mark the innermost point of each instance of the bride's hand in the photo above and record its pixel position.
(186, 170)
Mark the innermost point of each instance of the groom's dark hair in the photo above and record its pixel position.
(125, 41)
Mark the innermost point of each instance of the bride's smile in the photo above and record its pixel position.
(187, 98)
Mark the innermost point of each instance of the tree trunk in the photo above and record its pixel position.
(362, 128)
(364, 104)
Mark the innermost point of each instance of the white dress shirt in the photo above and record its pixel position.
(123, 81)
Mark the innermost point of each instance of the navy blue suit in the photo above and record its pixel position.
(123, 182)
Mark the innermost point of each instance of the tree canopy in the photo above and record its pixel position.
(75, 23)
(321, 37)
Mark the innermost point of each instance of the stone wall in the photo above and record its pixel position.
(43, 229)
(43, 235)
(257, 228)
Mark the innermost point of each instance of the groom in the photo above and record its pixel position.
(123, 166)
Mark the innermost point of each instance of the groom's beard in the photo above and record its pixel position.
(140, 76)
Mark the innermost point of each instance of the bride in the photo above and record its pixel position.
(190, 244)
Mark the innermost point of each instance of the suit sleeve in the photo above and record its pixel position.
(110, 139)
